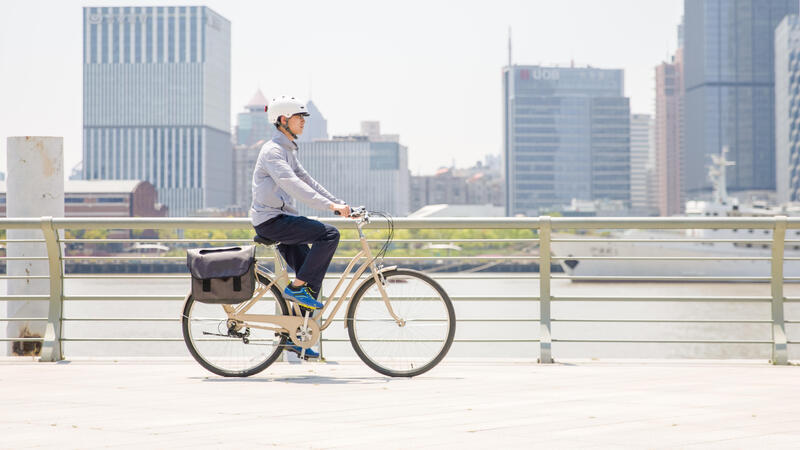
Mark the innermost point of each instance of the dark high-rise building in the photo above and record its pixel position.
(729, 81)
(156, 102)
(566, 136)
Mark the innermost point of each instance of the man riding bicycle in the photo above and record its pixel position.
(278, 180)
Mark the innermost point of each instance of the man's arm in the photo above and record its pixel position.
(284, 176)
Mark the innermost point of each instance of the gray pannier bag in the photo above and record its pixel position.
(223, 275)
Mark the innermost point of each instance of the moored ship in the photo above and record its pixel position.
(741, 253)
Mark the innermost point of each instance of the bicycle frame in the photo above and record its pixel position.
(287, 323)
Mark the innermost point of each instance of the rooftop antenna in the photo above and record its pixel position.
(509, 47)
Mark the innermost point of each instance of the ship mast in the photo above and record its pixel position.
(716, 173)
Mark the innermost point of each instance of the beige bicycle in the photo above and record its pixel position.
(400, 322)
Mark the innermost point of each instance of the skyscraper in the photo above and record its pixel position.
(316, 125)
(641, 150)
(252, 125)
(729, 81)
(670, 157)
(787, 104)
(566, 136)
(156, 92)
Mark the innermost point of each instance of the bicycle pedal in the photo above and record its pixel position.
(305, 357)
(303, 311)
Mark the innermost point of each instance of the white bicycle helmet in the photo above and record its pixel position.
(285, 106)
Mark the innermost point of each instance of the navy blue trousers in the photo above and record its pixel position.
(294, 234)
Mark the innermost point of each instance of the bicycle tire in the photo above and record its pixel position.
(207, 362)
(385, 355)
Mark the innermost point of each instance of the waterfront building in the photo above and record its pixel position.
(566, 136)
(787, 105)
(641, 154)
(359, 171)
(244, 162)
(477, 185)
(105, 198)
(670, 157)
(156, 102)
(652, 186)
(729, 81)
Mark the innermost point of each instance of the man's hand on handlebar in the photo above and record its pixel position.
(341, 210)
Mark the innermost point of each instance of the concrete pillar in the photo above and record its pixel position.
(34, 188)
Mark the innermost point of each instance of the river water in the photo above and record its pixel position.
(492, 303)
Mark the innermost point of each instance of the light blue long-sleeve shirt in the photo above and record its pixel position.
(279, 179)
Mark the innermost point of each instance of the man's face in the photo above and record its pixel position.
(296, 124)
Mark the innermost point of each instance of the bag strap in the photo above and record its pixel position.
(206, 285)
(237, 284)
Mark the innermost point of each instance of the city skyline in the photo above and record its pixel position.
(355, 69)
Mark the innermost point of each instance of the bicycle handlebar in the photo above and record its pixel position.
(356, 212)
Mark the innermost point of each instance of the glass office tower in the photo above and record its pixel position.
(156, 102)
(787, 107)
(566, 136)
(729, 81)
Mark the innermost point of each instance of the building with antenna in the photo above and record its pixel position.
(566, 136)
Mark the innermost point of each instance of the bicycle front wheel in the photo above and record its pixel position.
(409, 346)
(233, 350)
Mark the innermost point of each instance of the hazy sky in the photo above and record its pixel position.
(429, 71)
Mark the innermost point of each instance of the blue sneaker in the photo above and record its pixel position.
(303, 296)
(297, 350)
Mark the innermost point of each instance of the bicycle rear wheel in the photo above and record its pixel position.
(232, 352)
(411, 347)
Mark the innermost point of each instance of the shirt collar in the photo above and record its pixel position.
(283, 141)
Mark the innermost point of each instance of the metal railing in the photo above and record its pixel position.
(544, 226)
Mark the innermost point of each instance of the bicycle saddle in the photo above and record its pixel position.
(260, 240)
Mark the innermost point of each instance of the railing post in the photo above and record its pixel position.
(779, 344)
(545, 352)
(51, 347)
